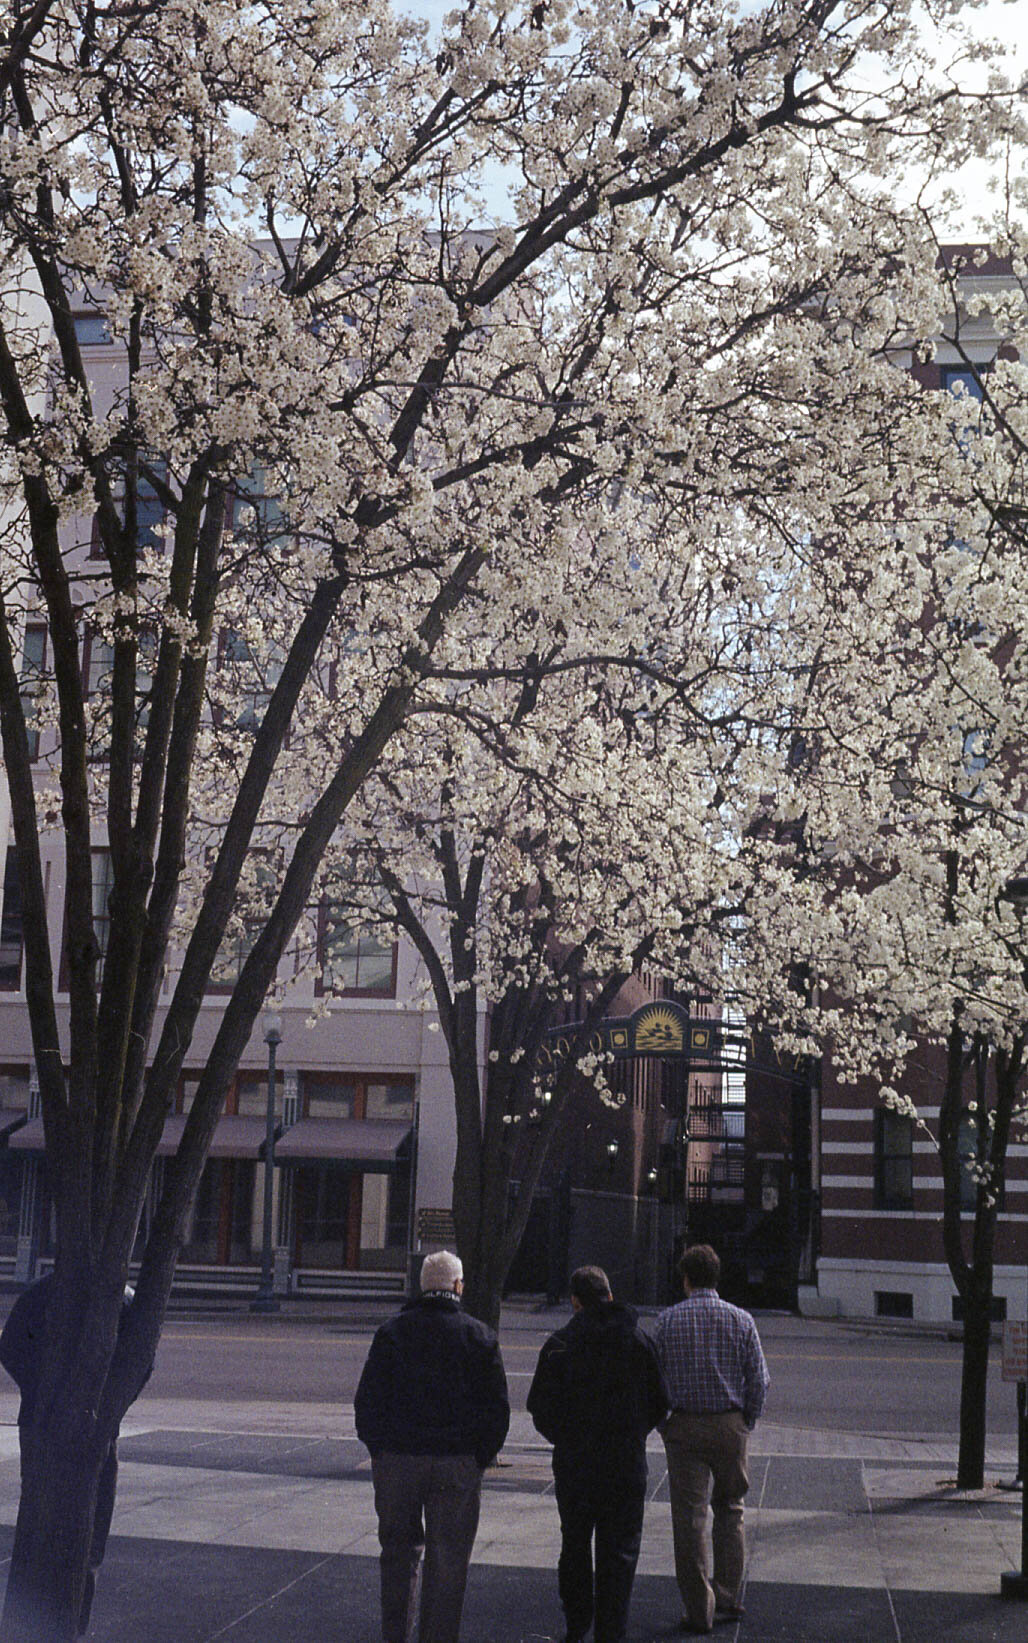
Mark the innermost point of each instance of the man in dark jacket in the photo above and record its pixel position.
(432, 1408)
(21, 1353)
(596, 1393)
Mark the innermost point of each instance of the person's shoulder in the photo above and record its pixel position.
(475, 1328)
(400, 1321)
(740, 1316)
(563, 1337)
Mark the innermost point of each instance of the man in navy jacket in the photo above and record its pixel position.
(21, 1353)
(432, 1408)
(596, 1394)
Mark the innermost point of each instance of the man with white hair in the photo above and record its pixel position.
(432, 1408)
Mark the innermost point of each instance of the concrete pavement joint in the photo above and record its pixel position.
(884, 1569)
(273, 1597)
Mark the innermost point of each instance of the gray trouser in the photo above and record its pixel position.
(425, 1503)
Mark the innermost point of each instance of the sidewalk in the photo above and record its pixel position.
(254, 1523)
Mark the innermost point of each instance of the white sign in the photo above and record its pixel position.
(1015, 1352)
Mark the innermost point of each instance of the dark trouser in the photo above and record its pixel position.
(425, 1503)
(612, 1509)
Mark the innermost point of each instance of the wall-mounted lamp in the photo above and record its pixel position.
(613, 1148)
(541, 1110)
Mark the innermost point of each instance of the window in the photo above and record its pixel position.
(392, 1099)
(352, 961)
(251, 680)
(965, 384)
(254, 511)
(894, 1160)
(346, 1095)
(998, 1309)
(11, 932)
(254, 902)
(97, 685)
(967, 1153)
(103, 883)
(328, 1095)
(91, 330)
(97, 666)
(959, 379)
(893, 1303)
(33, 682)
(150, 512)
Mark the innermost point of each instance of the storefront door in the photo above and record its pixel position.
(327, 1217)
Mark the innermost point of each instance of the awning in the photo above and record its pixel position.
(234, 1137)
(369, 1144)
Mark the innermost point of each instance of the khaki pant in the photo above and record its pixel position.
(706, 1463)
(425, 1503)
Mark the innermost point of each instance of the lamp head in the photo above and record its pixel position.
(272, 1023)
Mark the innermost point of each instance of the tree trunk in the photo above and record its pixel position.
(52, 1540)
(973, 1385)
(482, 1295)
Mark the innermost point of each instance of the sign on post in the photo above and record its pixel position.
(1015, 1351)
(435, 1226)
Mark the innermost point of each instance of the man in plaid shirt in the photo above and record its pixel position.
(712, 1360)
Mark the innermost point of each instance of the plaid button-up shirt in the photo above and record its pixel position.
(711, 1356)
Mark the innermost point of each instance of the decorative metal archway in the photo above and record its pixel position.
(664, 1030)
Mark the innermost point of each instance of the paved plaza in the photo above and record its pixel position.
(253, 1522)
(261, 1530)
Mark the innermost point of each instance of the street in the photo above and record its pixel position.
(835, 1376)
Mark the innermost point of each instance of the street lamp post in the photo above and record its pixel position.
(1014, 1583)
(265, 1300)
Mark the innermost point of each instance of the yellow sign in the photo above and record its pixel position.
(658, 1030)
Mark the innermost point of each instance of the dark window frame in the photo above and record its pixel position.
(40, 630)
(12, 928)
(314, 1079)
(967, 1152)
(893, 1160)
(321, 990)
(252, 927)
(149, 508)
(63, 977)
(91, 328)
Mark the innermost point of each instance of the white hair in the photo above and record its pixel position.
(440, 1271)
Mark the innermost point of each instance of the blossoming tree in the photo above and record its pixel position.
(275, 211)
(907, 809)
